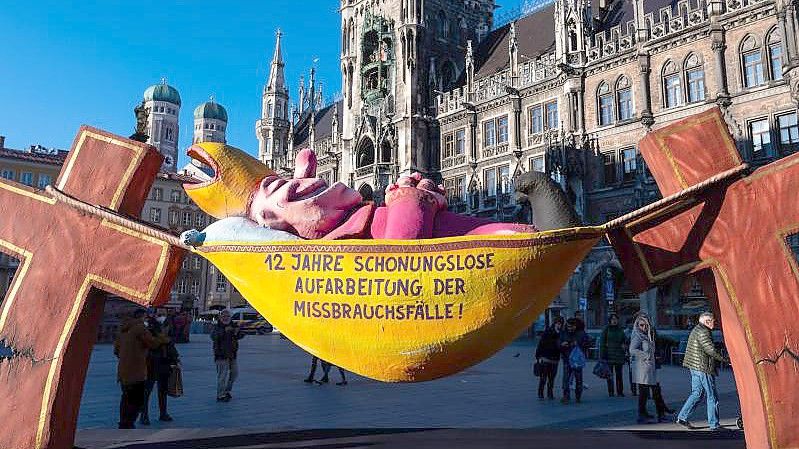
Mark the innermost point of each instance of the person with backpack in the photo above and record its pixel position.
(611, 350)
(573, 348)
(547, 355)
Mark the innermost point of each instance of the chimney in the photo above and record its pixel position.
(2, 141)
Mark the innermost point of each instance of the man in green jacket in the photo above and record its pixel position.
(701, 357)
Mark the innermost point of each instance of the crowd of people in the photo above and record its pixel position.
(148, 360)
(566, 343)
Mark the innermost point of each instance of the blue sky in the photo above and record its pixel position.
(63, 64)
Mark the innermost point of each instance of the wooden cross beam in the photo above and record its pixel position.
(69, 259)
(736, 230)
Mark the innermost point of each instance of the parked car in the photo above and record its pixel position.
(250, 321)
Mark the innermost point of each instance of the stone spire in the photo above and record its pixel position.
(312, 90)
(469, 70)
(277, 79)
(272, 129)
(513, 53)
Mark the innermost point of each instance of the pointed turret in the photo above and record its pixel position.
(277, 80)
(272, 128)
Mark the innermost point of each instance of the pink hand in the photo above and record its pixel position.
(423, 189)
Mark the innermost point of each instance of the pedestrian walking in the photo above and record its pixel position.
(701, 358)
(547, 355)
(161, 361)
(642, 359)
(573, 347)
(225, 335)
(326, 366)
(612, 351)
(131, 347)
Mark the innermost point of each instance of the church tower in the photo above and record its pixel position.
(163, 103)
(396, 55)
(210, 122)
(273, 127)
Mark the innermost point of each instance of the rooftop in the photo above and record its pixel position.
(37, 154)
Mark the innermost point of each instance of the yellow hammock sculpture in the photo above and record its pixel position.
(391, 310)
(404, 310)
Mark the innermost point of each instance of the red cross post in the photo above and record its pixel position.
(68, 261)
(737, 231)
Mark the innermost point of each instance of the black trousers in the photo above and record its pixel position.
(616, 370)
(325, 369)
(643, 397)
(547, 378)
(162, 380)
(130, 404)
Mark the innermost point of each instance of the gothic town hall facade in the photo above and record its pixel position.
(568, 89)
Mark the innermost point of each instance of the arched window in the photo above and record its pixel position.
(624, 99)
(695, 77)
(775, 54)
(605, 104)
(345, 40)
(752, 62)
(366, 154)
(269, 112)
(352, 34)
(385, 151)
(672, 85)
(443, 25)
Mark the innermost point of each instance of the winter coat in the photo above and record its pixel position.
(163, 356)
(226, 340)
(611, 349)
(132, 346)
(700, 353)
(548, 347)
(570, 340)
(642, 356)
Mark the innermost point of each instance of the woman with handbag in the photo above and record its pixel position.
(611, 350)
(642, 359)
(547, 357)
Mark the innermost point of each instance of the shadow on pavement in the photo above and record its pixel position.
(453, 438)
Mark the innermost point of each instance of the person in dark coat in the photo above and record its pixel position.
(612, 351)
(547, 354)
(160, 362)
(571, 339)
(701, 358)
(225, 335)
(131, 347)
